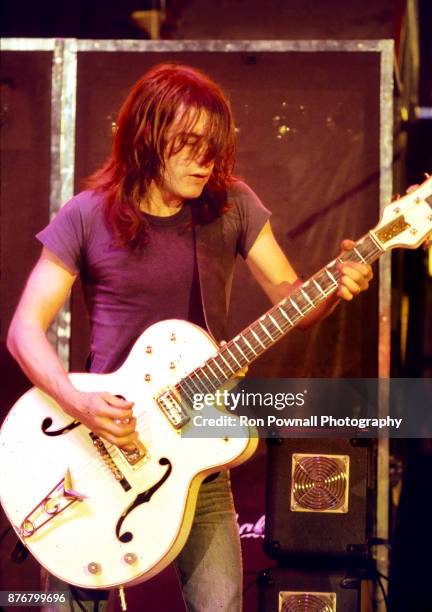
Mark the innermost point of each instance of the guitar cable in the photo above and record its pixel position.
(20, 551)
(77, 600)
(4, 534)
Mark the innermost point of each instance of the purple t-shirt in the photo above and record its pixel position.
(127, 291)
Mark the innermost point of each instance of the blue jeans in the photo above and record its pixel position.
(209, 567)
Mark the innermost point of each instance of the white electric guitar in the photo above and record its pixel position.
(97, 517)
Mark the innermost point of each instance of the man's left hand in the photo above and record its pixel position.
(355, 276)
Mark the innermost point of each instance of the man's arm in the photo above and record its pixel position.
(46, 291)
(276, 276)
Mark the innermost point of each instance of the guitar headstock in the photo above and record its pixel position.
(406, 222)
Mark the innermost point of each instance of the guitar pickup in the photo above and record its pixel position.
(170, 404)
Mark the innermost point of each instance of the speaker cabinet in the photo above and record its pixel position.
(317, 498)
(283, 589)
(25, 115)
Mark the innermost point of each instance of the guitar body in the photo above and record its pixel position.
(117, 523)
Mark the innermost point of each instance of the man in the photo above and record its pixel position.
(163, 205)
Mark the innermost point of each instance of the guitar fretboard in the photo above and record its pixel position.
(274, 324)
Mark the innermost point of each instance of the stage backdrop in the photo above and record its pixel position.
(308, 140)
(314, 132)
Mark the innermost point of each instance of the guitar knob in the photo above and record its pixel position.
(94, 568)
(147, 378)
(130, 558)
(173, 337)
(148, 349)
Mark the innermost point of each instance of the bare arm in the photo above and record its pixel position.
(276, 276)
(46, 291)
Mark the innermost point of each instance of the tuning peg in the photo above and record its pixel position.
(427, 176)
(427, 244)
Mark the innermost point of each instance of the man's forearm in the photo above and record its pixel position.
(30, 347)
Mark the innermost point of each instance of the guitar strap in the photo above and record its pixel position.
(215, 261)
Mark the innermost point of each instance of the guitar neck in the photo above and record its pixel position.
(276, 322)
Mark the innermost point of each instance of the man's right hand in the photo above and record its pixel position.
(106, 415)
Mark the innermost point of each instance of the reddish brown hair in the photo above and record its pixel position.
(140, 146)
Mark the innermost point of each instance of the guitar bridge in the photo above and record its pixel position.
(58, 499)
(135, 455)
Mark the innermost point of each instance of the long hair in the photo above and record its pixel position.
(139, 149)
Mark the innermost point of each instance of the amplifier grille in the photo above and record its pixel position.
(319, 483)
(292, 601)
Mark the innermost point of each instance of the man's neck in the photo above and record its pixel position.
(160, 204)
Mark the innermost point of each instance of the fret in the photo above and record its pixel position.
(319, 287)
(238, 347)
(315, 296)
(378, 247)
(186, 381)
(375, 249)
(301, 301)
(257, 338)
(235, 358)
(197, 381)
(326, 283)
(213, 374)
(349, 256)
(295, 313)
(276, 324)
(359, 255)
(245, 350)
(222, 357)
(367, 250)
(286, 316)
(209, 379)
(266, 331)
(308, 298)
(311, 290)
(271, 322)
(331, 276)
(296, 307)
(250, 346)
(216, 363)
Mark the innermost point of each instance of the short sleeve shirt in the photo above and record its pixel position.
(127, 291)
